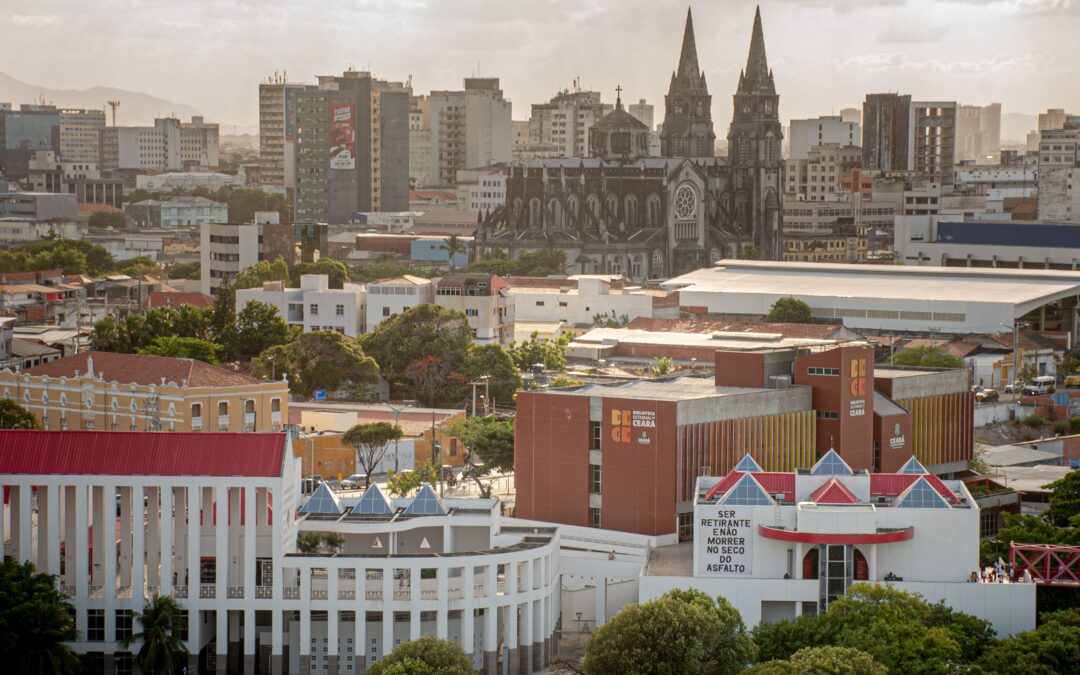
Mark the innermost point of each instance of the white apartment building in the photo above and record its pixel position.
(997, 182)
(186, 180)
(169, 144)
(215, 517)
(642, 112)
(483, 189)
(469, 128)
(816, 176)
(16, 230)
(484, 301)
(576, 299)
(806, 134)
(1059, 172)
(389, 297)
(314, 306)
(563, 123)
(224, 250)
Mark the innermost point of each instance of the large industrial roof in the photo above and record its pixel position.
(883, 282)
(678, 389)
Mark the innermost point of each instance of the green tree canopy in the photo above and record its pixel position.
(184, 271)
(371, 441)
(259, 326)
(426, 655)
(926, 357)
(684, 631)
(534, 350)
(822, 661)
(35, 622)
(160, 648)
(106, 219)
(402, 483)
(66, 258)
(253, 276)
(318, 360)
(495, 363)
(14, 416)
(184, 347)
(386, 269)
(490, 444)
(337, 272)
(243, 203)
(418, 332)
(139, 331)
(1065, 501)
(1053, 647)
(789, 310)
(453, 245)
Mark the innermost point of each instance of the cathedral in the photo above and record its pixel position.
(620, 211)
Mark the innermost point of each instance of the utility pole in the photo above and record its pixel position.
(397, 423)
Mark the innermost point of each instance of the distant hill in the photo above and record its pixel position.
(136, 108)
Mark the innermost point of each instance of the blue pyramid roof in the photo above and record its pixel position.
(747, 463)
(830, 464)
(426, 503)
(912, 466)
(747, 492)
(322, 501)
(373, 503)
(920, 495)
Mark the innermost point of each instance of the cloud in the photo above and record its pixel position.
(918, 34)
(901, 62)
(28, 20)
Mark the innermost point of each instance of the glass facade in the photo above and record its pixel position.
(836, 570)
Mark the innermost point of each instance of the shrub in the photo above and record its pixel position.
(1034, 421)
(1074, 425)
(1061, 428)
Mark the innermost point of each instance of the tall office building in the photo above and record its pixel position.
(643, 112)
(169, 144)
(419, 142)
(935, 139)
(563, 123)
(352, 147)
(1053, 118)
(851, 115)
(1059, 172)
(80, 135)
(887, 132)
(23, 131)
(805, 134)
(978, 131)
(277, 133)
(470, 128)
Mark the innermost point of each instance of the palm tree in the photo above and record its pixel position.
(662, 366)
(453, 245)
(333, 541)
(162, 649)
(308, 542)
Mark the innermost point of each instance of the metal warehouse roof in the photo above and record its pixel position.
(881, 282)
(125, 453)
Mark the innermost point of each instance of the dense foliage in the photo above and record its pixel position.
(490, 445)
(822, 661)
(546, 262)
(35, 622)
(318, 360)
(926, 357)
(184, 348)
(14, 416)
(789, 310)
(534, 351)
(161, 650)
(426, 655)
(371, 441)
(417, 333)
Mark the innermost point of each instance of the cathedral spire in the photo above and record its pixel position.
(757, 76)
(688, 63)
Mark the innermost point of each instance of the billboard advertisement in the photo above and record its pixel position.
(342, 136)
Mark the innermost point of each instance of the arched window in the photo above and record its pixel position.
(652, 211)
(592, 205)
(555, 214)
(614, 266)
(572, 207)
(534, 212)
(630, 211)
(635, 267)
(613, 208)
(656, 268)
(517, 209)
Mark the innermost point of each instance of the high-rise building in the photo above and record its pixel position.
(643, 112)
(805, 134)
(80, 135)
(817, 176)
(277, 134)
(1059, 172)
(887, 131)
(470, 128)
(562, 124)
(851, 115)
(352, 147)
(935, 139)
(1053, 118)
(688, 127)
(419, 142)
(169, 144)
(30, 128)
(978, 131)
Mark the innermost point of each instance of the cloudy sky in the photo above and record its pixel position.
(826, 54)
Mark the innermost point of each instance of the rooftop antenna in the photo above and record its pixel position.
(114, 105)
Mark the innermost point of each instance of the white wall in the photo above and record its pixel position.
(385, 301)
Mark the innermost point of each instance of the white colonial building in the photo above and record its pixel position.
(778, 545)
(213, 520)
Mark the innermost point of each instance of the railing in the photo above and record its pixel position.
(291, 592)
(346, 595)
(223, 421)
(151, 591)
(402, 595)
(207, 591)
(95, 592)
(373, 595)
(500, 588)
(68, 591)
(275, 416)
(456, 593)
(196, 423)
(264, 592)
(318, 594)
(479, 591)
(235, 592)
(249, 418)
(429, 595)
(180, 591)
(125, 592)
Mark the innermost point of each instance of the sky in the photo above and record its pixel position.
(825, 54)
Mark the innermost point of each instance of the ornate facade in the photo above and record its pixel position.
(620, 212)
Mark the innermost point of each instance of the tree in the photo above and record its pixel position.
(66, 258)
(453, 245)
(191, 270)
(490, 444)
(14, 416)
(779, 640)
(36, 622)
(333, 541)
(493, 362)
(926, 357)
(253, 276)
(419, 332)
(1053, 647)
(388, 269)
(432, 379)
(183, 347)
(336, 271)
(402, 483)
(259, 327)
(610, 320)
(534, 350)
(789, 310)
(749, 252)
(822, 661)
(1064, 501)
(162, 650)
(545, 262)
(371, 441)
(662, 366)
(322, 359)
(427, 655)
(308, 542)
(140, 266)
(684, 631)
(243, 203)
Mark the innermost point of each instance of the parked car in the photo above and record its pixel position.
(986, 395)
(1013, 387)
(1039, 386)
(1072, 381)
(353, 482)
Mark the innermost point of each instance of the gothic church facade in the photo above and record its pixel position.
(619, 211)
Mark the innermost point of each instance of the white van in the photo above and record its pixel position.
(1039, 386)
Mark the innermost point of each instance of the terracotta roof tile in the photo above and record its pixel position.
(176, 299)
(142, 369)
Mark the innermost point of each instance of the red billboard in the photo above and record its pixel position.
(342, 136)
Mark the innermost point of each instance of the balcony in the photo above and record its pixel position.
(235, 592)
(275, 416)
(343, 594)
(291, 592)
(318, 594)
(180, 591)
(264, 592)
(207, 591)
(373, 595)
(249, 419)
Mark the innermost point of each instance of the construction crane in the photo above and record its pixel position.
(114, 105)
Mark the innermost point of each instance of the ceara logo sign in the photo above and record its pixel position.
(626, 424)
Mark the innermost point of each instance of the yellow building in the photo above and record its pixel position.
(825, 248)
(133, 392)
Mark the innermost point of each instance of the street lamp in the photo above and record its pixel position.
(397, 423)
(1015, 327)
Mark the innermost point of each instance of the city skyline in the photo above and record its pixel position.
(972, 51)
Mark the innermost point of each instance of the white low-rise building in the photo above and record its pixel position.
(314, 306)
(213, 520)
(388, 297)
(779, 545)
(576, 300)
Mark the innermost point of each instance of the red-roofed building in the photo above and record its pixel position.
(135, 392)
(177, 299)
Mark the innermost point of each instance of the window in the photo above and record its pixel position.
(594, 518)
(472, 312)
(275, 405)
(595, 434)
(339, 310)
(313, 309)
(594, 479)
(822, 371)
(385, 312)
(123, 624)
(685, 523)
(539, 303)
(196, 409)
(828, 415)
(223, 408)
(95, 625)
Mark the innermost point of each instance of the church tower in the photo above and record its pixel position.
(754, 140)
(688, 128)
